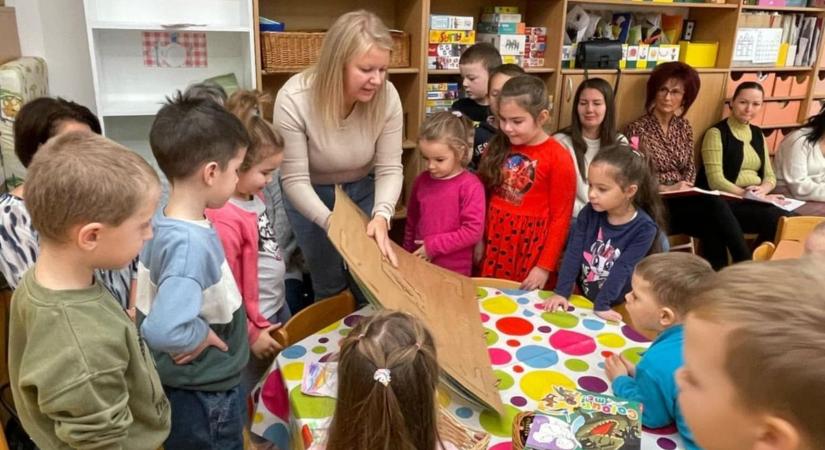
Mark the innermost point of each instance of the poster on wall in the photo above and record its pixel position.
(174, 49)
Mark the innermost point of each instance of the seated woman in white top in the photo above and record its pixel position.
(800, 166)
(593, 122)
(342, 124)
(387, 378)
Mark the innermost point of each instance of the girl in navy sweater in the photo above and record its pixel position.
(614, 231)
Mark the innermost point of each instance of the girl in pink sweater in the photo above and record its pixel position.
(445, 215)
(248, 238)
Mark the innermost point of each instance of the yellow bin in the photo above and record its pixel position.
(698, 54)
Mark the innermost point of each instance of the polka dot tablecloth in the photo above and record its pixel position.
(530, 351)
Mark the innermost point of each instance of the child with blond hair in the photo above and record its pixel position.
(79, 373)
(754, 373)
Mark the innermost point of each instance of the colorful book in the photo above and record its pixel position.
(500, 10)
(320, 379)
(576, 420)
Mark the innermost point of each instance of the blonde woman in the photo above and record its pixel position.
(342, 124)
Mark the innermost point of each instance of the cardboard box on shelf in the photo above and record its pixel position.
(506, 44)
(501, 28)
(452, 37)
(501, 18)
(444, 22)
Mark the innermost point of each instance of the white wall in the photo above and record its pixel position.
(56, 31)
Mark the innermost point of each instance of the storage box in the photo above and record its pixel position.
(500, 10)
(800, 84)
(815, 107)
(506, 44)
(766, 79)
(442, 22)
(501, 28)
(452, 37)
(9, 40)
(782, 86)
(501, 18)
(698, 54)
(781, 113)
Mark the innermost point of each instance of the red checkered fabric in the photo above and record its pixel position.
(193, 42)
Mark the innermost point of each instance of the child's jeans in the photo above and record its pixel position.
(204, 420)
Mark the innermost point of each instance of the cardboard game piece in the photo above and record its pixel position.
(444, 300)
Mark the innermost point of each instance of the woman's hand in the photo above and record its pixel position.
(535, 279)
(761, 190)
(378, 229)
(556, 302)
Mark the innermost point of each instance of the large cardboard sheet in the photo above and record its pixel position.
(444, 300)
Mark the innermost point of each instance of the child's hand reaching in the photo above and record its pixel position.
(614, 367)
(421, 252)
(478, 253)
(535, 279)
(556, 302)
(266, 346)
(609, 315)
(212, 339)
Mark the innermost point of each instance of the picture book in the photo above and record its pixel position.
(569, 419)
(320, 379)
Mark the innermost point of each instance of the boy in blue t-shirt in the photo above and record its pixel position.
(663, 286)
(190, 310)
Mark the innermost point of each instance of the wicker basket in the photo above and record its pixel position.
(521, 425)
(452, 431)
(290, 51)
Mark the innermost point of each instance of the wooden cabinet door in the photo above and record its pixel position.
(568, 91)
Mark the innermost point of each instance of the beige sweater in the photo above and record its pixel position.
(314, 155)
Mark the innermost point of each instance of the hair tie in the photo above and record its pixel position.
(382, 376)
(457, 113)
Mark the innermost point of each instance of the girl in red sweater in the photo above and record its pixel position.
(531, 184)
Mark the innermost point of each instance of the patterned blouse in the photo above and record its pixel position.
(19, 249)
(672, 153)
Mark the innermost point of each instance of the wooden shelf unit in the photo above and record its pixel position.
(714, 22)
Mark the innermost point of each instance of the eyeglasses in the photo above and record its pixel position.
(663, 91)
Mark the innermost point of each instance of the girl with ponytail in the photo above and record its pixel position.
(387, 376)
(614, 231)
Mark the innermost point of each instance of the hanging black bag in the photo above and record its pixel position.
(598, 54)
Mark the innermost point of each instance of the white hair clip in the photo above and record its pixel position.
(382, 376)
(457, 113)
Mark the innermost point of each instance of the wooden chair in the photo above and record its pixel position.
(314, 318)
(682, 243)
(497, 283)
(764, 251)
(796, 228)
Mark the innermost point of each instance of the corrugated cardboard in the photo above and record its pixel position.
(9, 40)
(444, 300)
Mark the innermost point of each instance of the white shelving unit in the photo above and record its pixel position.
(127, 93)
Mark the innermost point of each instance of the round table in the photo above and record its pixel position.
(530, 350)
